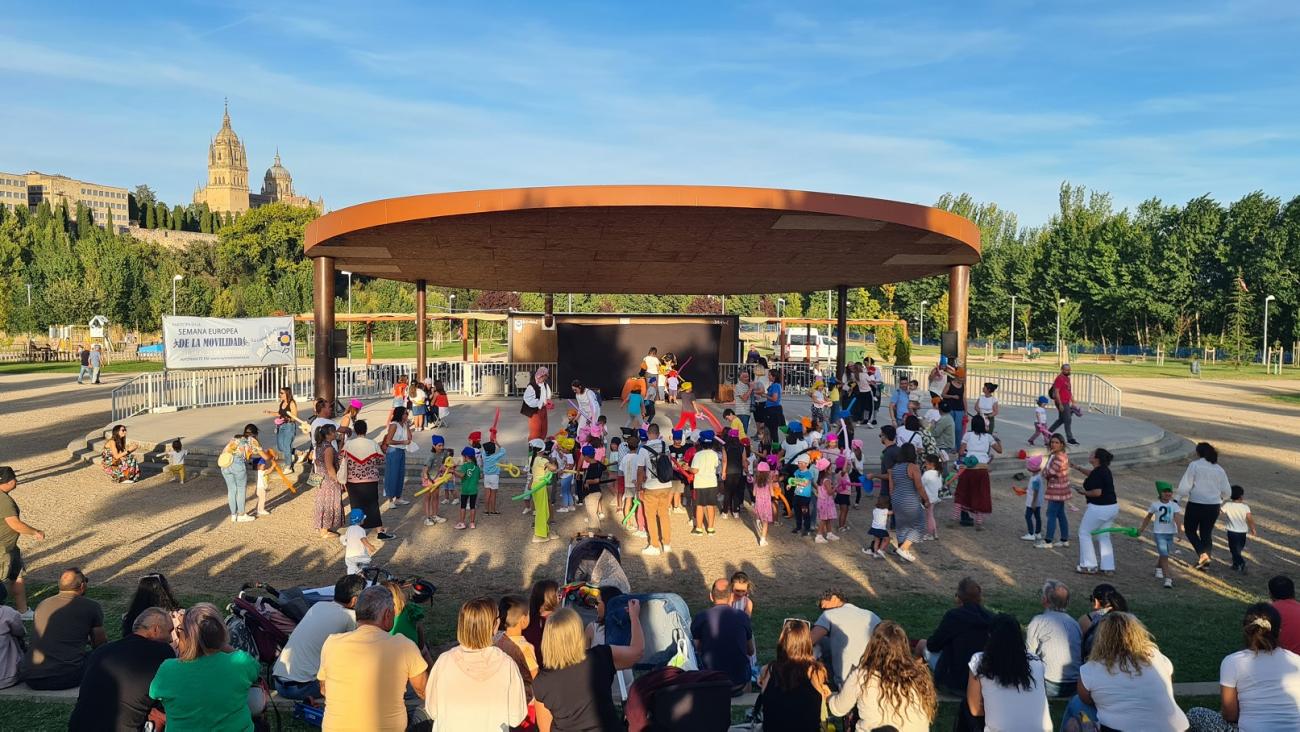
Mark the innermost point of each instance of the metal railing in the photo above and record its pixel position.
(1016, 387)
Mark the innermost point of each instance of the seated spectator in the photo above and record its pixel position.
(65, 625)
(153, 591)
(1105, 598)
(724, 640)
(1259, 686)
(475, 687)
(1281, 590)
(512, 620)
(573, 690)
(1055, 637)
(115, 688)
(1126, 682)
(294, 672)
(888, 686)
(845, 629)
(12, 633)
(1006, 682)
(363, 674)
(543, 599)
(794, 686)
(408, 617)
(209, 686)
(963, 631)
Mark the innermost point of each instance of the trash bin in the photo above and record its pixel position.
(494, 385)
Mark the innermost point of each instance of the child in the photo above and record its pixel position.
(674, 382)
(441, 405)
(820, 403)
(879, 527)
(987, 405)
(741, 598)
(434, 467)
(843, 492)
(176, 460)
(1034, 499)
(263, 464)
(825, 502)
(732, 421)
(492, 457)
(1239, 520)
(356, 556)
(763, 509)
(592, 475)
(1040, 421)
(469, 473)
(541, 472)
(932, 482)
(627, 480)
(476, 441)
(677, 449)
(859, 471)
(571, 424)
(419, 396)
(563, 455)
(687, 396)
(1165, 529)
(599, 429)
(802, 483)
(513, 619)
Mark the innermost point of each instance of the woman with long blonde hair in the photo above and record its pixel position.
(1127, 679)
(475, 686)
(889, 686)
(572, 691)
(210, 685)
(794, 685)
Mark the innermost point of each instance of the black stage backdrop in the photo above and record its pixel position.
(604, 356)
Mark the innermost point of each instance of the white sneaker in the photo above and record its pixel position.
(1043, 545)
(1160, 573)
(726, 516)
(28, 614)
(600, 516)
(820, 539)
(905, 555)
(762, 542)
(263, 512)
(526, 511)
(1029, 537)
(429, 522)
(1065, 543)
(401, 501)
(243, 518)
(831, 536)
(1169, 583)
(641, 534)
(444, 501)
(869, 551)
(667, 549)
(651, 551)
(439, 520)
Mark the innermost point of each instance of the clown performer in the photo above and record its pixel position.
(537, 402)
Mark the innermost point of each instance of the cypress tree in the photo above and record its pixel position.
(150, 218)
(178, 218)
(205, 222)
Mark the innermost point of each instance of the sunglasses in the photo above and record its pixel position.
(805, 623)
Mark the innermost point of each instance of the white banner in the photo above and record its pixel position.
(205, 343)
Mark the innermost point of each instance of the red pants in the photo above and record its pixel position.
(687, 417)
(537, 426)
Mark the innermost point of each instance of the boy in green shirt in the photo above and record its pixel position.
(469, 474)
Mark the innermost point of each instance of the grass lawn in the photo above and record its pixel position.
(1287, 398)
(71, 367)
(406, 349)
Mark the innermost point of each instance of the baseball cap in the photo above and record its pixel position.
(475, 436)
(468, 452)
(437, 440)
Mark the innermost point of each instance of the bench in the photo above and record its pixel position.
(1016, 356)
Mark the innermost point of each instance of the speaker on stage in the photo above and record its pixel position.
(339, 343)
(948, 344)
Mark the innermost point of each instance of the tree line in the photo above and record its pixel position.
(1174, 275)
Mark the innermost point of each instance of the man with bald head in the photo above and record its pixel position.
(724, 640)
(114, 693)
(65, 625)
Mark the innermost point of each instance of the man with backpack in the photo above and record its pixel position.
(654, 488)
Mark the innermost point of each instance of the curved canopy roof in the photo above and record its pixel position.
(644, 239)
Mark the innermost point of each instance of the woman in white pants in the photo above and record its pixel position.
(1099, 489)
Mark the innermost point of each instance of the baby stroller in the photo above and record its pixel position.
(260, 624)
(592, 562)
(665, 624)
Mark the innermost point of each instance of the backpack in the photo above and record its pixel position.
(661, 465)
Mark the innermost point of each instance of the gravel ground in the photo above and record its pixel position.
(119, 532)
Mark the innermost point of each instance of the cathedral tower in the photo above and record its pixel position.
(227, 188)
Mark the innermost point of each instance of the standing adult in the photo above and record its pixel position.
(974, 495)
(845, 628)
(394, 442)
(327, 509)
(735, 468)
(1099, 489)
(1055, 637)
(744, 398)
(286, 427)
(118, 458)
(83, 355)
(364, 674)
(1057, 492)
(12, 567)
(114, 694)
(64, 626)
(1281, 590)
(656, 495)
(1005, 687)
(241, 450)
(650, 365)
(937, 380)
(1205, 486)
(363, 463)
(96, 362)
(475, 686)
(724, 640)
(876, 380)
(537, 402)
(908, 500)
(1064, 400)
(295, 669)
(954, 395)
(773, 414)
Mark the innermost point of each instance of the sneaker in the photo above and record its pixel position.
(243, 518)
(385, 536)
(820, 539)
(830, 535)
(430, 522)
(1043, 545)
(460, 526)
(905, 555)
(697, 532)
(640, 534)
(795, 530)
(527, 511)
(1073, 442)
(652, 551)
(714, 532)
(667, 549)
(444, 501)
(1029, 537)
(439, 520)
(726, 516)
(472, 526)
(1064, 543)
(1169, 584)
(28, 615)
(401, 501)
(600, 516)
(542, 539)
(263, 512)
(1160, 573)
(762, 542)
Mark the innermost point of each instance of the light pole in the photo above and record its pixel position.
(1013, 324)
(828, 308)
(1059, 303)
(570, 309)
(29, 295)
(780, 303)
(175, 279)
(1267, 300)
(349, 276)
(920, 332)
(451, 302)
(723, 299)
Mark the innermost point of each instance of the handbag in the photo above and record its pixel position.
(341, 472)
(225, 459)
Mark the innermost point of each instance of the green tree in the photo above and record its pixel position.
(902, 347)
(177, 220)
(1238, 344)
(205, 222)
(150, 218)
(886, 339)
(162, 215)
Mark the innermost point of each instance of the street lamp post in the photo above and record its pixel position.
(349, 276)
(175, 279)
(723, 299)
(920, 332)
(570, 309)
(29, 295)
(1059, 303)
(1013, 324)
(1267, 300)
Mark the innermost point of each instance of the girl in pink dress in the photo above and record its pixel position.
(825, 502)
(762, 501)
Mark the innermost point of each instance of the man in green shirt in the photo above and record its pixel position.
(11, 527)
(470, 474)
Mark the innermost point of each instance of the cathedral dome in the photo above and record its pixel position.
(277, 183)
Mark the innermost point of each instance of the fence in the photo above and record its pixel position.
(1016, 387)
(213, 388)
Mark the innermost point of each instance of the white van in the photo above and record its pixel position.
(806, 343)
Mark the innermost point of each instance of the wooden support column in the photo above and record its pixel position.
(421, 329)
(323, 297)
(959, 305)
(841, 327)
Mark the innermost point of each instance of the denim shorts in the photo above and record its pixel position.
(1164, 544)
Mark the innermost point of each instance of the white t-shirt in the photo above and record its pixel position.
(905, 436)
(352, 540)
(627, 466)
(651, 367)
(1268, 688)
(789, 451)
(319, 422)
(300, 659)
(744, 393)
(176, 457)
(1236, 513)
(707, 463)
(985, 404)
(1142, 701)
(978, 445)
(1040, 415)
(931, 481)
(1162, 517)
(643, 460)
(1010, 709)
(1034, 492)
(880, 518)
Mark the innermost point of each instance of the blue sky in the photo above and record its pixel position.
(1004, 100)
